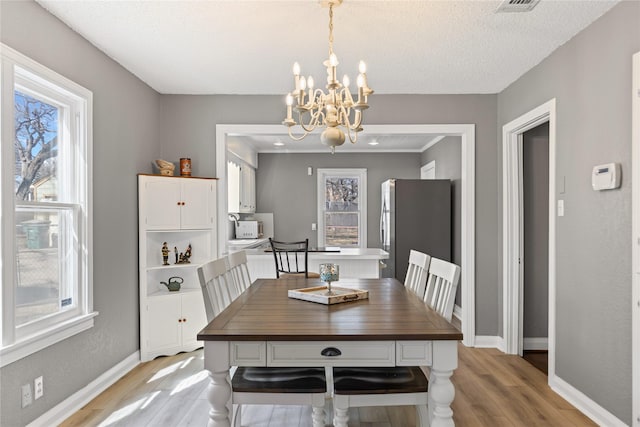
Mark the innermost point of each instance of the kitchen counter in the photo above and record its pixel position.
(353, 262)
(240, 244)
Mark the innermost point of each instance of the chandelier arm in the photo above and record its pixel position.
(353, 139)
(297, 138)
(310, 126)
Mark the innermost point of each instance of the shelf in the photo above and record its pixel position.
(171, 266)
(165, 293)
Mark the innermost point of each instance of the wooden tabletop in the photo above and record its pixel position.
(265, 312)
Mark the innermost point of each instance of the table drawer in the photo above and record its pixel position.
(336, 353)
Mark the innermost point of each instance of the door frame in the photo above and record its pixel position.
(512, 234)
(468, 138)
(635, 240)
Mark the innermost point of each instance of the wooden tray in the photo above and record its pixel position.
(318, 294)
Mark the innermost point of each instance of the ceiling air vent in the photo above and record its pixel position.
(517, 6)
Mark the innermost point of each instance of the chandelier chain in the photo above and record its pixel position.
(330, 29)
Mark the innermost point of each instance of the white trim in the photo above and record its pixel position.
(76, 401)
(426, 170)
(18, 68)
(457, 312)
(45, 338)
(468, 208)
(361, 174)
(635, 240)
(584, 404)
(431, 143)
(488, 341)
(511, 237)
(535, 343)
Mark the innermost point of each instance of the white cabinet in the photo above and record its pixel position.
(175, 322)
(241, 188)
(247, 189)
(177, 203)
(181, 213)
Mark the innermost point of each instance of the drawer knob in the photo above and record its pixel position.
(331, 352)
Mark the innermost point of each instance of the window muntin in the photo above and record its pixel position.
(342, 207)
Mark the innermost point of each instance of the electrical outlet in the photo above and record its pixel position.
(27, 398)
(313, 226)
(38, 388)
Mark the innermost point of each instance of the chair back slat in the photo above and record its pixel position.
(290, 257)
(441, 288)
(239, 270)
(217, 287)
(417, 272)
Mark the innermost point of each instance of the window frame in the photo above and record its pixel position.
(20, 72)
(361, 174)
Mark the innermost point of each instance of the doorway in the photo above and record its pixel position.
(535, 256)
(467, 134)
(513, 230)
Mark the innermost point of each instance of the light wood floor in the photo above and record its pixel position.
(492, 389)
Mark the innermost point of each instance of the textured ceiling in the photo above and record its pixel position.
(248, 47)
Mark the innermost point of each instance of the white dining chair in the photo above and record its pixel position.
(441, 288)
(417, 272)
(358, 387)
(260, 385)
(239, 270)
(217, 286)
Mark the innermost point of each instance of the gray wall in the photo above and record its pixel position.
(447, 154)
(125, 120)
(187, 128)
(284, 188)
(535, 183)
(590, 78)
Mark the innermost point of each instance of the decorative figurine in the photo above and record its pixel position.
(165, 254)
(184, 256)
(175, 249)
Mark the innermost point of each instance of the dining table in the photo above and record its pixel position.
(391, 327)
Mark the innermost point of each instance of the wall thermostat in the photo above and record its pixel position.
(606, 177)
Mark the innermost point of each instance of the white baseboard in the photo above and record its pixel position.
(489, 341)
(457, 312)
(535, 343)
(76, 401)
(584, 404)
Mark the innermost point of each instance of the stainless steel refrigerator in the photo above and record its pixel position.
(415, 214)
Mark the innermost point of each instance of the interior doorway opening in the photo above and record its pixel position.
(513, 230)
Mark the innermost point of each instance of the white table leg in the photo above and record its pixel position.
(216, 361)
(441, 389)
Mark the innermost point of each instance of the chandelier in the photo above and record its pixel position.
(334, 109)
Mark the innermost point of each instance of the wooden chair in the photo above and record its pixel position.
(239, 270)
(260, 385)
(416, 278)
(441, 286)
(217, 286)
(292, 260)
(357, 387)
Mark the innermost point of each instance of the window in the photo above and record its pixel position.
(342, 207)
(46, 207)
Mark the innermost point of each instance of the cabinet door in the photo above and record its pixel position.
(161, 207)
(164, 320)
(197, 196)
(194, 317)
(247, 187)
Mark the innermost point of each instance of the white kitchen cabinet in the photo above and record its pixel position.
(247, 189)
(241, 188)
(181, 212)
